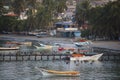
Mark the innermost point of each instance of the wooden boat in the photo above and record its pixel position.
(26, 43)
(43, 47)
(9, 48)
(80, 57)
(46, 72)
(14, 42)
(20, 43)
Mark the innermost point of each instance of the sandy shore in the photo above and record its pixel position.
(103, 44)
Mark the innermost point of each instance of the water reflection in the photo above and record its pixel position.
(60, 78)
(25, 70)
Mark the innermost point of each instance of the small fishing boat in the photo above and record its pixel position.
(9, 48)
(46, 72)
(14, 42)
(80, 57)
(26, 43)
(20, 43)
(43, 47)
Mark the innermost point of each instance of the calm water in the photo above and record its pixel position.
(25, 70)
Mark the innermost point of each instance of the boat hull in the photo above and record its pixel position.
(58, 73)
(92, 58)
(11, 48)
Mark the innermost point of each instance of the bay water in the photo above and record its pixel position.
(25, 70)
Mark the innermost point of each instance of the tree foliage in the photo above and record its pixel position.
(40, 14)
(1, 8)
(7, 23)
(18, 6)
(82, 10)
(47, 12)
(105, 20)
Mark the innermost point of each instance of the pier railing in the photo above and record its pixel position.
(109, 55)
(106, 50)
(36, 57)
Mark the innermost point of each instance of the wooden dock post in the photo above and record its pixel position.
(22, 58)
(47, 57)
(53, 57)
(16, 57)
(10, 58)
(29, 57)
(108, 56)
(35, 57)
(3, 57)
(115, 57)
(60, 57)
(41, 57)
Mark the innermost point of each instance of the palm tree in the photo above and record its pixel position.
(105, 20)
(47, 10)
(82, 10)
(1, 7)
(60, 6)
(31, 13)
(19, 6)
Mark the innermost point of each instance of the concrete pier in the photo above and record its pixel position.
(109, 55)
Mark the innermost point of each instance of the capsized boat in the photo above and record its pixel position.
(80, 57)
(46, 72)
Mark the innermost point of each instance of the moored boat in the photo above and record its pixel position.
(9, 48)
(14, 42)
(20, 43)
(42, 47)
(80, 57)
(46, 72)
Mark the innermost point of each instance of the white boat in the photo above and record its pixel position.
(46, 72)
(9, 48)
(43, 47)
(80, 57)
(26, 43)
(46, 47)
(83, 43)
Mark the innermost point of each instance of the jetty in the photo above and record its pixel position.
(109, 55)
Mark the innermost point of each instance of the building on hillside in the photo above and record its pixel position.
(71, 7)
(67, 29)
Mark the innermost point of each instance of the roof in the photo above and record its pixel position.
(10, 14)
(65, 23)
